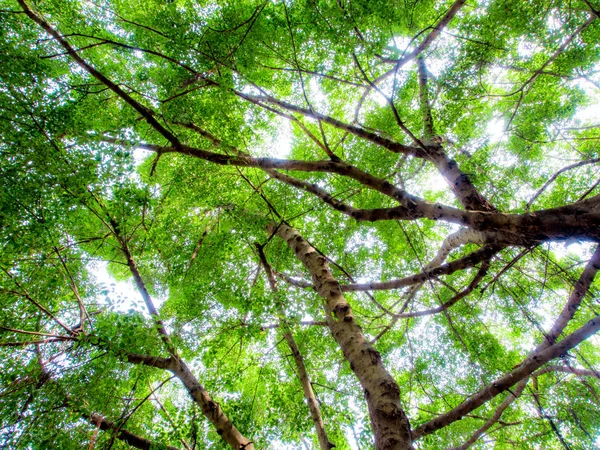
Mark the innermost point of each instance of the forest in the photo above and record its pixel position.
(299, 224)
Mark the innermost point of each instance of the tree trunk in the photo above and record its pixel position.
(390, 424)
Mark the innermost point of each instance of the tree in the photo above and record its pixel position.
(350, 223)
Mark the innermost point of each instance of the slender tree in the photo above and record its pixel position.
(286, 224)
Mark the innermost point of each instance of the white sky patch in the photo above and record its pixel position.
(575, 248)
(495, 131)
(589, 113)
(553, 22)
(526, 49)
(139, 156)
(436, 182)
(281, 145)
(124, 296)
(317, 98)
(401, 43)
(380, 98)
(436, 64)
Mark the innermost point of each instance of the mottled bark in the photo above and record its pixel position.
(146, 360)
(391, 427)
(211, 409)
(457, 180)
(427, 118)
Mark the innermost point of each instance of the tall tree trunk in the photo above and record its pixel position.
(391, 427)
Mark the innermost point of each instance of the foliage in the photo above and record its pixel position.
(160, 142)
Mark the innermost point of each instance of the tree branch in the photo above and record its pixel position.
(144, 112)
(132, 439)
(470, 260)
(529, 366)
(309, 394)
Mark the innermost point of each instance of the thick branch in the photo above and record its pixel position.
(211, 409)
(147, 360)
(529, 366)
(437, 29)
(580, 219)
(132, 439)
(462, 294)
(428, 129)
(352, 129)
(141, 286)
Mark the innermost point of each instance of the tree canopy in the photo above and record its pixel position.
(350, 223)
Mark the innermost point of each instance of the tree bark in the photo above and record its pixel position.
(211, 409)
(390, 424)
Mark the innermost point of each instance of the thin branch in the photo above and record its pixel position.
(465, 262)
(552, 368)
(167, 415)
(462, 294)
(309, 394)
(83, 314)
(144, 112)
(26, 295)
(555, 176)
(43, 341)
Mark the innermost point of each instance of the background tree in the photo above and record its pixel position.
(349, 223)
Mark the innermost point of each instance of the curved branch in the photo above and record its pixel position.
(462, 294)
(550, 180)
(581, 287)
(580, 219)
(529, 366)
(566, 369)
(472, 259)
(132, 439)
